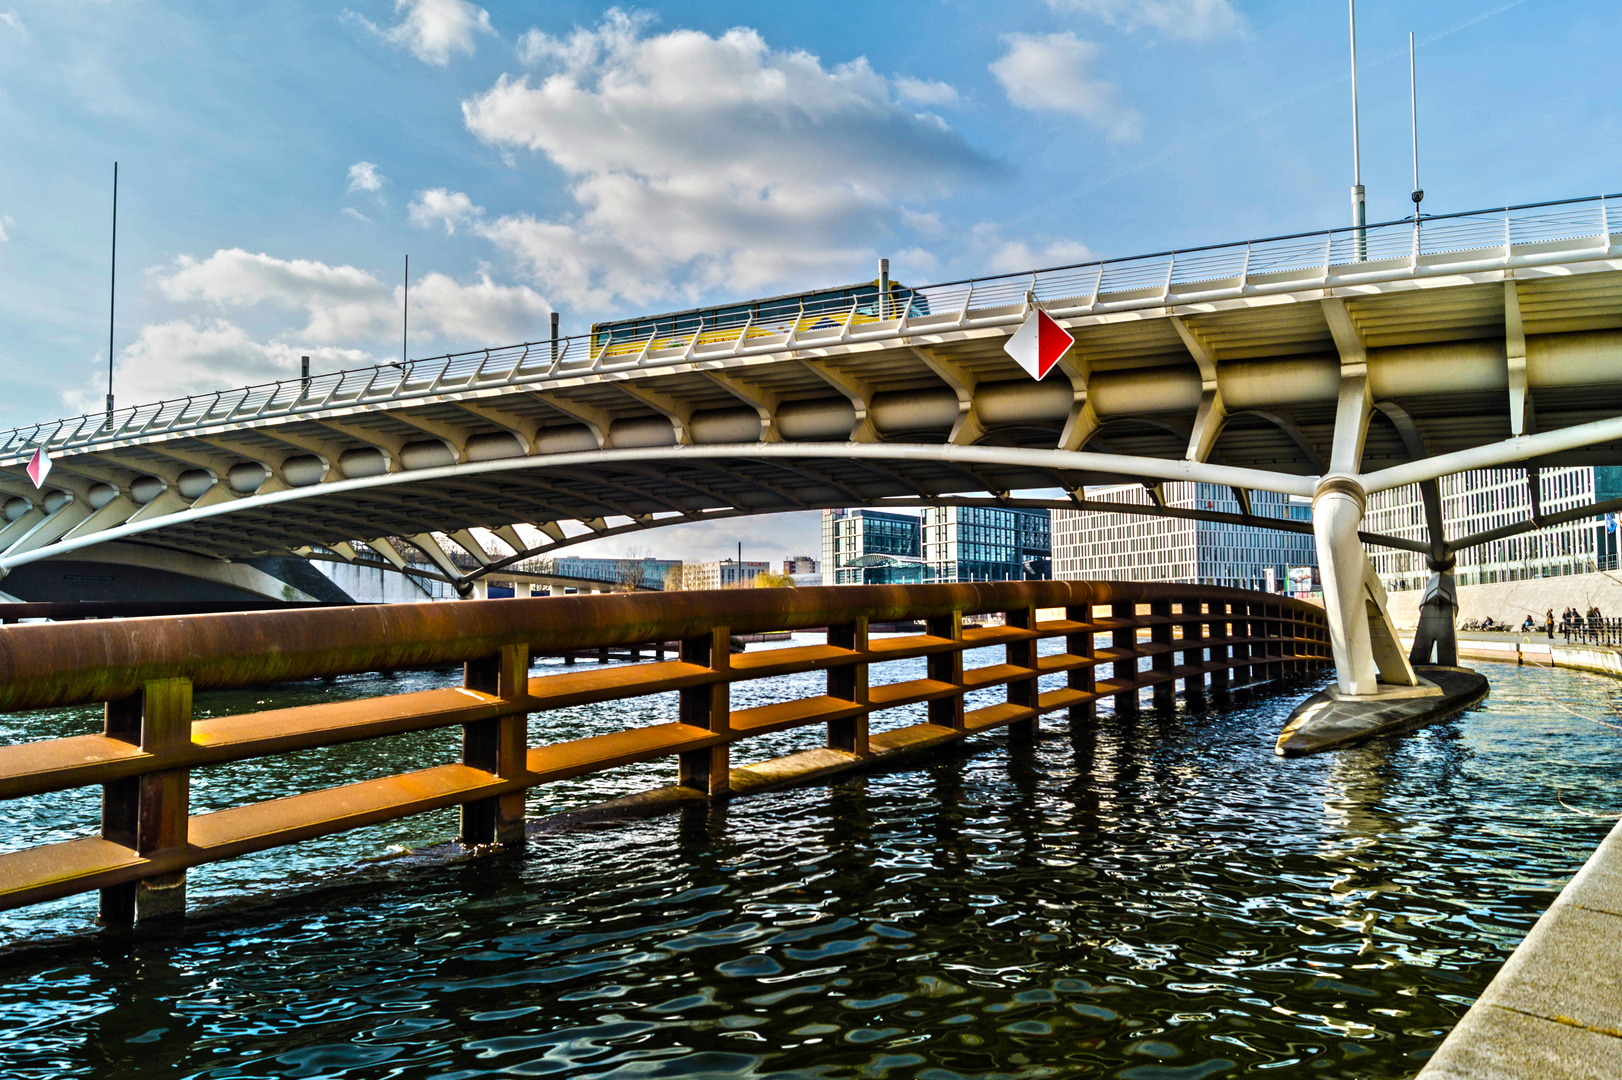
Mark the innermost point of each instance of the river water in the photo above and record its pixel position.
(1152, 898)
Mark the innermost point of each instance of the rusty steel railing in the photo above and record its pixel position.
(146, 670)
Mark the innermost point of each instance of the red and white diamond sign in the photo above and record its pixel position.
(1037, 345)
(39, 467)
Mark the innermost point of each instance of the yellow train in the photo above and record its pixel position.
(774, 316)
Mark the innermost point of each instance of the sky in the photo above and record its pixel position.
(278, 162)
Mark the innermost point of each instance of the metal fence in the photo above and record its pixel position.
(1594, 631)
(1532, 234)
(146, 673)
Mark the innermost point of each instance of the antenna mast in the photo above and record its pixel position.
(405, 311)
(112, 285)
(1359, 214)
(1418, 193)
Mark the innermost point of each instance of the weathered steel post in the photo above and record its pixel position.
(947, 667)
(497, 745)
(1221, 655)
(1082, 678)
(709, 707)
(848, 682)
(1164, 660)
(1124, 641)
(1022, 691)
(149, 813)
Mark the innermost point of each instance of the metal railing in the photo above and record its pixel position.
(1593, 631)
(1533, 234)
(1201, 635)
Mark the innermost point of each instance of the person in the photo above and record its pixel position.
(1527, 625)
(1548, 623)
(1486, 624)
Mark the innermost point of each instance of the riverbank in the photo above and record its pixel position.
(1537, 648)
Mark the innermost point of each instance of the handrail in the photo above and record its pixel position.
(146, 670)
(1385, 250)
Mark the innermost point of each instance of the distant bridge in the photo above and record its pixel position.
(1332, 364)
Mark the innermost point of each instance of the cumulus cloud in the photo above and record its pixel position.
(1194, 20)
(363, 176)
(922, 92)
(1053, 73)
(439, 206)
(191, 356)
(346, 304)
(434, 31)
(1000, 255)
(716, 160)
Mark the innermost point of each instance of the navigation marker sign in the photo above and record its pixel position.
(1037, 345)
(39, 467)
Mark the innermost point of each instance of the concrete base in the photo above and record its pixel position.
(1330, 719)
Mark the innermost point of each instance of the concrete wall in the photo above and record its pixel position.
(1514, 600)
(372, 585)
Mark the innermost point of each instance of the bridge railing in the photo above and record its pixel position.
(1531, 234)
(147, 670)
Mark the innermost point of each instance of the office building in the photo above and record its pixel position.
(1089, 544)
(800, 564)
(986, 543)
(649, 573)
(722, 574)
(1483, 499)
(871, 547)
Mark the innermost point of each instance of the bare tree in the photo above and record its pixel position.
(674, 578)
(631, 569)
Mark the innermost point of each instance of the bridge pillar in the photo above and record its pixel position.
(1164, 661)
(1435, 639)
(149, 813)
(1361, 635)
(1193, 651)
(1221, 629)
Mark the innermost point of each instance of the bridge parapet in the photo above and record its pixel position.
(146, 670)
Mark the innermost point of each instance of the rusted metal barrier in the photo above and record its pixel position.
(146, 670)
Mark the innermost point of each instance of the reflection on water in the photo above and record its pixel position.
(1156, 898)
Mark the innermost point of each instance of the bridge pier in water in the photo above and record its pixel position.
(151, 742)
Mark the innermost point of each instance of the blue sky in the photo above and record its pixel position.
(278, 160)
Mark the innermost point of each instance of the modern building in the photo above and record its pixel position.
(986, 543)
(722, 574)
(649, 573)
(947, 543)
(1483, 499)
(800, 564)
(871, 547)
(1089, 544)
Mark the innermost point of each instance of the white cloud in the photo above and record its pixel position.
(440, 206)
(434, 30)
(6, 221)
(922, 92)
(343, 304)
(15, 21)
(1000, 255)
(1190, 19)
(1052, 73)
(714, 160)
(357, 215)
(363, 176)
(191, 356)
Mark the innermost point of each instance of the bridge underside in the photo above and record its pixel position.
(1333, 383)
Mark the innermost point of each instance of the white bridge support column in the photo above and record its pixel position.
(1361, 635)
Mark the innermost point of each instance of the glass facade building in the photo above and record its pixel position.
(986, 543)
(947, 543)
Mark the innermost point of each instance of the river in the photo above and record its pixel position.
(1151, 898)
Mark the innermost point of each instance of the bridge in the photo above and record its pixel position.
(1328, 365)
